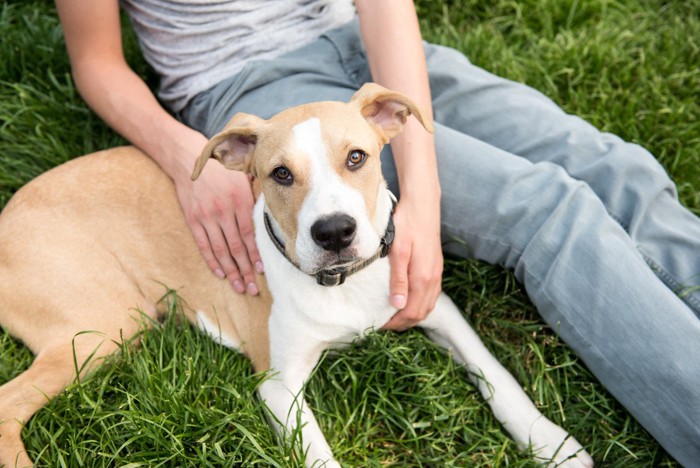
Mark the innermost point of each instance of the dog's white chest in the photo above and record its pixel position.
(338, 314)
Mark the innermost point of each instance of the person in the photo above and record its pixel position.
(590, 224)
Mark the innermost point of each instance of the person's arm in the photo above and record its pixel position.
(393, 41)
(218, 207)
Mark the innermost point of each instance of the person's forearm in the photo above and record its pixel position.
(131, 109)
(396, 58)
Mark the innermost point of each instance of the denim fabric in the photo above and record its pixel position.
(590, 224)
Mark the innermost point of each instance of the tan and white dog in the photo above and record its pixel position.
(89, 244)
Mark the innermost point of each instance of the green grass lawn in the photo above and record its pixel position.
(631, 67)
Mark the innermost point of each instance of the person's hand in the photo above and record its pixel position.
(218, 208)
(416, 263)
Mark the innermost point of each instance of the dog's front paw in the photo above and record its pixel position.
(553, 446)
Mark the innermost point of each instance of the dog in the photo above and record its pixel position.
(90, 244)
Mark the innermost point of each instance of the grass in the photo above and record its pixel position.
(628, 66)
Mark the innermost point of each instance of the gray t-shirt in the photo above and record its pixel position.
(195, 44)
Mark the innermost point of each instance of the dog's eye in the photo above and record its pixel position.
(282, 175)
(356, 159)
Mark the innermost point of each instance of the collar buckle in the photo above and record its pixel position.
(330, 277)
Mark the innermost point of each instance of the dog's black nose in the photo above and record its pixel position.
(334, 232)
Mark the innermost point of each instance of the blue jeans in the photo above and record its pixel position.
(591, 225)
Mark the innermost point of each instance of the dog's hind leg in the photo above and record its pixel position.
(511, 406)
(53, 369)
(70, 333)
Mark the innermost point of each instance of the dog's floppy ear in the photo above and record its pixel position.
(233, 146)
(387, 110)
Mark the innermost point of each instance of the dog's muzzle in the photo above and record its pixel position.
(334, 234)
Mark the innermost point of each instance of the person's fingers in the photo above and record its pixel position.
(417, 273)
(397, 323)
(399, 286)
(411, 315)
(420, 302)
(422, 296)
(222, 253)
(247, 229)
(202, 241)
(237, 249)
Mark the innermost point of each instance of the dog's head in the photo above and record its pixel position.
(319, 169)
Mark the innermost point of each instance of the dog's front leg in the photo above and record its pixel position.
(293, 356)
(511, 406)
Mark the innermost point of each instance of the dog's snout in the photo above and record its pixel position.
(334, 232)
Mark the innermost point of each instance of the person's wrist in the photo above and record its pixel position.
(427, 197)
(177, 157)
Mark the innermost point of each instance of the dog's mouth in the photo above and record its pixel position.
(334, 268)
(335, 261)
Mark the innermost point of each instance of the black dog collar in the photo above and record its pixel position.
(336, 276)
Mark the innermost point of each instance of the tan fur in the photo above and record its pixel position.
(65, 269)
(131, 263)
(86, 249)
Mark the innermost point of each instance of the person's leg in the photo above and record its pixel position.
(633, 186)
(331, 68)
(583, 273)
(579, 267)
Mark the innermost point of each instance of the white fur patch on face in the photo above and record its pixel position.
(327, 194)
